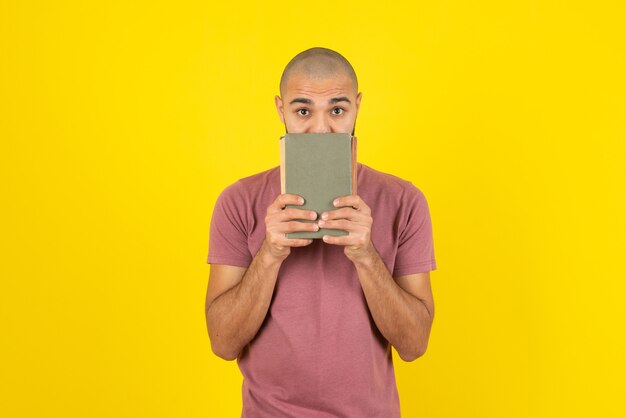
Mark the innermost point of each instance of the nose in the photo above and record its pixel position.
(321, 125)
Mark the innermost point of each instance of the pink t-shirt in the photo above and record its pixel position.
(319, 353)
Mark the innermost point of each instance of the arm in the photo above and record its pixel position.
(403, 309)
(238, 299)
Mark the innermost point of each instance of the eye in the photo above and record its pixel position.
(337, 111)
(303, 112)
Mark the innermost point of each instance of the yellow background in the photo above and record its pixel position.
(122, 121)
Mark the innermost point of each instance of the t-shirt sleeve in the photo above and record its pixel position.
(228, 236)
(416, 252)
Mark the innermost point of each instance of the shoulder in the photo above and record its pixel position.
(249, 188)
(375, 183)
(247, 199)
(262, 178)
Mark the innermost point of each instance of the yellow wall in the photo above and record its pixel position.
(121, 121)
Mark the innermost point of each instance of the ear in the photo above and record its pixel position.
(279, 108)
(358, 101)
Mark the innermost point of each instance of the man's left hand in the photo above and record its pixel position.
(355, 217)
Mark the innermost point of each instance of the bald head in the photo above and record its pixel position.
(318, 63)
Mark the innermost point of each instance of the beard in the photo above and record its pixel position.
(353, 129)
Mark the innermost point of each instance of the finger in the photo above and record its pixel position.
(337, 240)
(354, 201)
(343, 224)
(285, 199)
(294, 213)
(343, 213)
(295, 226)
(283, 228)
(297, 242)
(352, 240)
(349, 214)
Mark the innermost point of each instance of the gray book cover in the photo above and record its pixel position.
(320, 168)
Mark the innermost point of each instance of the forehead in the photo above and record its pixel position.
(301, 84)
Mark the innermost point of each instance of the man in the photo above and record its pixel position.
(311, 321)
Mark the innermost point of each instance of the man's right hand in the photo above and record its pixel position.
(238, 298)
(279, 221)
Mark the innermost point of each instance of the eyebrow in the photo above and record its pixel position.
(339, 99)
(301, 100)
(334, 100)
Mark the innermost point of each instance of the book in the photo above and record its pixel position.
(320, 168)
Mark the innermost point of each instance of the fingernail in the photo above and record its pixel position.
(335, 202)
(325, 215)
(321, 223)
(316, 228)
(313, 215)
(301, 201)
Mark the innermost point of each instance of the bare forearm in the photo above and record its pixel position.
(235, 317)
(402, 319)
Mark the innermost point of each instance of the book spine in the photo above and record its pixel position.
(282, 165)
(354, 167)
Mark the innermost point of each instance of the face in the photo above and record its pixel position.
(310, 105)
